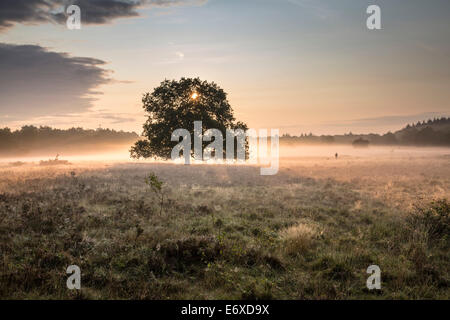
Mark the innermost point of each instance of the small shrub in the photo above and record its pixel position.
(433, 219)
(157, 187)
(298, 238)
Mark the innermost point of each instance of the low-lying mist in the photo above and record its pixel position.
(287, 153)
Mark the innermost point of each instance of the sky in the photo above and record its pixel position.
(296, 65)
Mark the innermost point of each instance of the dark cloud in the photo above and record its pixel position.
(37, 82)
(101, 11)
(20, 11)
(92, 11)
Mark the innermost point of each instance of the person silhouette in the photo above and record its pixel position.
(336, 155)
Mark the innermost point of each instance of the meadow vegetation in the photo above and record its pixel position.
(226, 232)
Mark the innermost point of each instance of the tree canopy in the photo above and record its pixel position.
(176, 105)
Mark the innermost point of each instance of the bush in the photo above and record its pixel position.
(433, 218)
(298, 238)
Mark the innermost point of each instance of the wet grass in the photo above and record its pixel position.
(223, 233)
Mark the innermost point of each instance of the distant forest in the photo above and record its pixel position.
(31, 140)
(434, 132)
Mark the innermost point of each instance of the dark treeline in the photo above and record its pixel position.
(434, 132)
(46, 140)
(31, 140)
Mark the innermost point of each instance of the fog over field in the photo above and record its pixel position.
(287, 153)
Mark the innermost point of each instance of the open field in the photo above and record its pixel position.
(225, 232)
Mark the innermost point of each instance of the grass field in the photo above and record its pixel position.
(225, 232)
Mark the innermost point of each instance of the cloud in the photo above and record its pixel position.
(117, 118)
(23, 11)
(37, 82)
(180, 55)
(92, 11)
(397, 120)
(88, 119)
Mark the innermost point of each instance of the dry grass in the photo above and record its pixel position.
(299, 238)
(309, 232)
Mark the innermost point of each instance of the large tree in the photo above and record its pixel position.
(176, 105)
